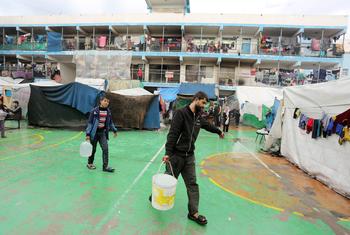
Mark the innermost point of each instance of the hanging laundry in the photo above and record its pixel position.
(296, 113)
(324, 123)
(346, 135)
(303, 121)
(102, 41)
(339, 129)
(309, 125)
(343, 118)
(315, 45)
(315, 129)
(330, 126)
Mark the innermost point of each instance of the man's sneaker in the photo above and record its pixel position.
(108, 169)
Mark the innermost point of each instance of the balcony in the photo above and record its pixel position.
(234, 40)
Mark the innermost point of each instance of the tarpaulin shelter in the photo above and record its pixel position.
(61, 106)
(189, 89)
(135, 108)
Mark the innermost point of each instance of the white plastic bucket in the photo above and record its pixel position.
(85, 149)
(163, 190)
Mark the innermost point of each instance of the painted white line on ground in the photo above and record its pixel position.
(116, 204)
(257, 158)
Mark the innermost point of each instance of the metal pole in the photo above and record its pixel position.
(278, 70)
(109, 39)
(239, 72)
(321, 45)
(127, 38)
(62, 39)
(161, 71)
(201, 46)
(280, 43)
(17, 39)
(199, 70)
(319, 69)
(32, 39)
(163, 40)
(78, 39)
(93, 38)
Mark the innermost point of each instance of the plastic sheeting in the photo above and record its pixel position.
(133, 92)
(21, 92)
(258, 95)
(323, 158)
(169, 94)
(54, 41)
(189, 89)
(100, 84)
(152, 118)
(75, 95)
(252, 120)
(42, 112)
(104, 65)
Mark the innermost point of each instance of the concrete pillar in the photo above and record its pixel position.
(216, 74)
(146, 72)
(182, 73)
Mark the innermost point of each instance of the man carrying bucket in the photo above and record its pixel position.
(180, 147)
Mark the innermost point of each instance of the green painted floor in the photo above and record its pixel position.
(45, 188)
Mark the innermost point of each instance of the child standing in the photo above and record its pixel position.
(99, 124)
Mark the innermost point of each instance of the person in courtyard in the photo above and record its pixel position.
(99, 124)
(180, 147)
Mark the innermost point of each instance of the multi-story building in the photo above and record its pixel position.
(170, 48)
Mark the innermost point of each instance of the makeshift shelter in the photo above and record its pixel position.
(135, 108)
(323, 158)
(61, 106)
(169, 93)
(20, 92)
(189, 89)
(255, 103)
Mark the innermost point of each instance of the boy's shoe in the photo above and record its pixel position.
(108, 169)
(91, 166)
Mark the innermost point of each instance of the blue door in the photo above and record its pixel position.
(246, 43)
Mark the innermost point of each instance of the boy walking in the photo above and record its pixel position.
(99, 124)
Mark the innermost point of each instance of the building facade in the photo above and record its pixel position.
(170, 48)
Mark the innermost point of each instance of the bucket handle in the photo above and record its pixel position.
(171, 168)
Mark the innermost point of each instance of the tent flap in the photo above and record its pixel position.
(190, 89)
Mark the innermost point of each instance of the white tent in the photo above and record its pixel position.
(21, 92)
(258, 95)
(323, 158)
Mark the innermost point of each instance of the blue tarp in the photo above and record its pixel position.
(152, 119)
(169, 94)
(54, 41)
(193, 88)
(79, 96)
(271, 117)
